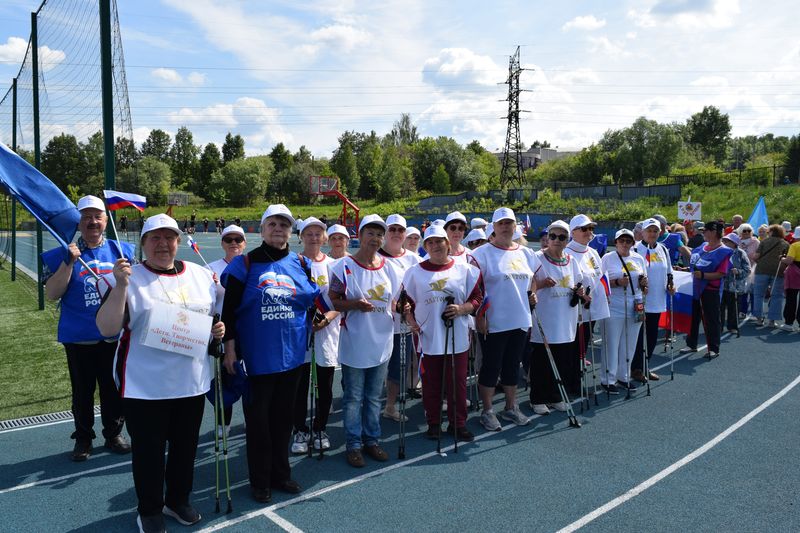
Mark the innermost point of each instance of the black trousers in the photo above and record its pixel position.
(543, 383)
(269, 426)
(707, 310)
(152, 425)
(502, 353)
(791, 312)
(728, 310)
(651, 324)
(322, 407)
(91, 364)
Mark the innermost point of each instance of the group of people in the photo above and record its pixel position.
(462, 300)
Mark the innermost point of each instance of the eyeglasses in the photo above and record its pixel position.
(228, 240)
(554, 237)
(456, 227)
(397, 229)
(587, 228)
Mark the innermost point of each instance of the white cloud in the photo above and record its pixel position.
(14, 50)
(580, 75)
(196, 79)
(603, 45)
(341, 37)
(710, 81)
(49, 58)
(170, 76)
(457, 66)
(687, 14)
(588, 22)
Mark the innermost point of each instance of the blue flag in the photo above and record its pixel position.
(38, 195)
(759, 215)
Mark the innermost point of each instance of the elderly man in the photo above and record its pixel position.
(90, 355)
(736, 221)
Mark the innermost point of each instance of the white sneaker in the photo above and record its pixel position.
(559, 406)
(321, 439)
(787, 327)
(300, 442)
(489, 421)
(515, 415)
(540, 409)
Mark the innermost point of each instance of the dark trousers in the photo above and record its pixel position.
(502, 352)
(91, 364)
(791, 311)
(543, 382)
(651, 324)
(707, 310)
(727, 311)
(152, 424)
(269, 426)
(572, 378)
(322, 407)
(433, 366)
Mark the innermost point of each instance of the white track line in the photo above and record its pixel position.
(638, 489)
(283, 523)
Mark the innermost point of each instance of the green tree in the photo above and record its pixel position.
(303, 156)
(404, 132)
(150, 178)
(440, 181)
(63, 161)
(125, 153)
(210, 162)
(290, 185)
(232, 148)
(94, 154)
(241, 182)
(368, 162)
(157, 145)
(281, 158)
(344, 165)
(710, 131)
(183, 161)
(792, 169)
(424, 160)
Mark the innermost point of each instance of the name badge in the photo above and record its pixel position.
(178, 330)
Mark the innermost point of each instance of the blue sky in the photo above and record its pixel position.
(304, 72)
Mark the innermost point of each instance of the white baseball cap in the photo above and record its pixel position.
(158, 222)
(233, 228)
(338, 229)
(558, 224)
(372, 219)
(411, 230)
(624, 231)
(475, 235)
(437, 222)
(454, 216)
(313, 221)
(434, 231)
(478, 222)
(91, 202)
(278, 210)
(503, 213)
(580, 221)
(787, 226)
(650, 222)
(396, 220)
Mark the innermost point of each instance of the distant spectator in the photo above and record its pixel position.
(769, 277)
(736, 221)
(694, 230)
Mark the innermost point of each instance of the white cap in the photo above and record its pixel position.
(312, 221)
(651, 222)
(372, 219)
(338, 229)
(477, 222)
(160, 221)
(455, 215)
(787, 226)
(434, 231)
(559, 224)
(91, 202)
(233, 228)
(279, 210)
(503, 213)
(796, 234)
(475, 235)
(489, 230)
(396, 220)
(624, 231)
(580, 221)
(411, 230)
(437, 222)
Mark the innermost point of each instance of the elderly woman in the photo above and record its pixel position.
(413, 237)
(364, 288)
(448, 278)
(709, 264)
(791, 311)
(325, 351)
(338, 239)
(734, 282)
(749, 243)
(627, 275)
(768, 281)
(268, 292)
(162, 391)
(475, 238)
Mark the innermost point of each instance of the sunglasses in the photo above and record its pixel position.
(625, 241)
(237, 240)
(397, 229)
(457, 227)
(554, 237)
(747, 231)
(586, 228)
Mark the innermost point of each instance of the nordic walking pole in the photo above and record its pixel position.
(625, 331)
(582, 357)
(448, 323)
(605, 360)
(314, 396)
(736, 310)
(216, 434)
(473, 354)
(645, 351)
(671, 292)
(401, 440)
(216, 351)
(455, 393)
(588, 307)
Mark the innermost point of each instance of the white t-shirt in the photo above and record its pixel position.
(148, 373)
(464, 257)
(427, 286)
(365, 340)
(612, 266)
(658, 266)
(217, 267)
(402, 263)
(326, 340)
(589, 262)
(507, 275)
(559, 320)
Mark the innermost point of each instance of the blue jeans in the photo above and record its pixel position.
(775, 309)
(361, 399)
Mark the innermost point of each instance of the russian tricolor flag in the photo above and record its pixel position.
(683, 304)
(193, 245)
(117, 200)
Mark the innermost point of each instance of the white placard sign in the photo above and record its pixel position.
(174, 329)
(689, 210)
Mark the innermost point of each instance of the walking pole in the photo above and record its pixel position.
(448, 323)
(455, 393)
(216, 434)
(736, 309)
(401, 440)
(625, 331)
(605, 361)
(473, 377)
(224, 436)
(215, 348)
(314, 396)
(645, 351)
(671, 292)
(582, 356)
(573, 420)
(588, 307)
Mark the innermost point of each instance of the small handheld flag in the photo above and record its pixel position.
(117, 200)
(196, 249)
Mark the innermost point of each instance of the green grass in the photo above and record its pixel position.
(33, 367)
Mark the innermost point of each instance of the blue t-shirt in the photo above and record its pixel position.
(673, 242)
(271, 320)
(80, 302)
(708, 261)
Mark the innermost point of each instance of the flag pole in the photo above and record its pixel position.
(116, 235)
